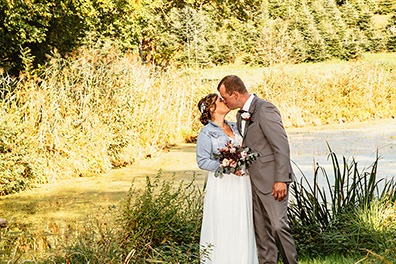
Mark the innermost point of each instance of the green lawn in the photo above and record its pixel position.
(380, 56)
(252, 75)
(329, 259)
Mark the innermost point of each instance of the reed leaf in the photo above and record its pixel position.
(318, 213)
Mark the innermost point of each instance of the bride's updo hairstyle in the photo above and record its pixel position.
(205, 105)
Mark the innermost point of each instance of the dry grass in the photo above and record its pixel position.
(99, 110)
(352, 92)
(102, 109)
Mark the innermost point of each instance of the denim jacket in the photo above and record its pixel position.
(210, 139)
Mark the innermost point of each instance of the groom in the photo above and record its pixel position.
(260, 124)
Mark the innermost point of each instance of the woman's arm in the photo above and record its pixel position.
(204, 151)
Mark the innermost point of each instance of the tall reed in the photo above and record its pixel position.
(100, 108)
(335, 218)
(330, 93)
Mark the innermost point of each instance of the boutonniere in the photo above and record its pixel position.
(246, 116)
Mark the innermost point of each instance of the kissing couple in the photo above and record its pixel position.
(245, 212)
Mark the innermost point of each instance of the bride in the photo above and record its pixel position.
(227, 234)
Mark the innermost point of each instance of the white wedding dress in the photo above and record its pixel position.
(227, 234)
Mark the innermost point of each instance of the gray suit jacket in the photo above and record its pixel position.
(265, 134)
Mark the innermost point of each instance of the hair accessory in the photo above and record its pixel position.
(202, 108)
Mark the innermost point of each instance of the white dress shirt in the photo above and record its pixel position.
(246, 107)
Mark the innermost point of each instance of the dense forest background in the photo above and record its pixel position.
(197, 32)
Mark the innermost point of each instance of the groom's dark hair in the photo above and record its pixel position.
(233, 83)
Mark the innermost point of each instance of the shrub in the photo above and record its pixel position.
(160, 222)
(163, 222)
(20, 164)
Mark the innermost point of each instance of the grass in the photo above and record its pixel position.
(339, 259)
(161, 224)
(354, 212)
(381, 21)
(102, 109)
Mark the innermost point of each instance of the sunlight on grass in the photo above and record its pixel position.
(101, 109)
(335, 259)
(381, 20)
(379, 56)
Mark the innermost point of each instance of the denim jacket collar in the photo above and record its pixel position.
(231, 124)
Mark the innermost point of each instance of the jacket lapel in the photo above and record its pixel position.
(239, 123)
(252, 109)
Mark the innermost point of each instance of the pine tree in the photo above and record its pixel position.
(349, 15)
(188, 29)
(279, 9)
(385, 6)
(338, 30)
(365, 23)
(352, 44)
(391, 32)
(304, 22)
(327, 29)
(298, 51)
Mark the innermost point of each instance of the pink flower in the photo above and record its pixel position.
(243, 154)
(232, 150)
(225, 163)
(233, 164)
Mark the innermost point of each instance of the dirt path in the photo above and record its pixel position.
(73, 199)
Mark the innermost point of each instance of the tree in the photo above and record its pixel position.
(188, 29)
(385, 6)
(391, 32)
(304, 22)
(349, 14)
(352, 44)
(334, 28)
(40, 26)
(279, 9)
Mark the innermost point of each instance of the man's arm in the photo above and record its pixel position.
(272, 127)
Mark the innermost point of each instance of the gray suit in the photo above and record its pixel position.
(265, 134)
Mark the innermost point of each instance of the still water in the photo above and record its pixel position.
(361, 141)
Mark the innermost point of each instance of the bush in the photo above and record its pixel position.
(160, 223)
(164, 222)
(20, 165)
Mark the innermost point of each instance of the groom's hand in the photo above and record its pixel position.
(279, 190)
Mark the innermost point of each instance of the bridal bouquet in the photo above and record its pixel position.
(233, 158)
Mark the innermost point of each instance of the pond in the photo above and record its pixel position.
(362, 141)
(74, 199)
